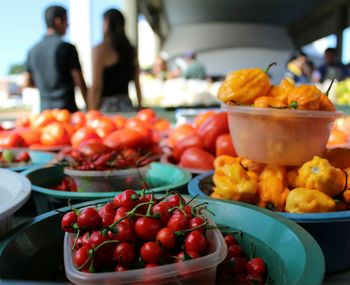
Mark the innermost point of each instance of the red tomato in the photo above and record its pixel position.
(126, 138)
(162, 125)
(93, 148)
(147, 115)
(119, 121)
(30, 136)
(22, 122)
(92, 114)
(190, 141)
(54, 134)
(61, 115)
(69, 128)
(201, 118)
(11, 139)
(179, 133)
(78, 120)
(42, 120)
(83, 134)
(212, 128)
(103, 126)
(197, 158)
(224, 146)
(135, 123)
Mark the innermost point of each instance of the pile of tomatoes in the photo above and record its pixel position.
(237, 269)
(8, 156)
(136, 231)
(196, 145)
(57, 128)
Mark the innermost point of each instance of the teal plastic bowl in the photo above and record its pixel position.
(291, 254)
(330, 230)
(37, 158)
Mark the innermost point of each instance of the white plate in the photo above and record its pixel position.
(14, 192)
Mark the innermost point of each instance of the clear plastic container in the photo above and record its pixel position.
(108, 180)
(279, 136)
(201, 270)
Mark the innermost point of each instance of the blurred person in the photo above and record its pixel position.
(160, 68)
(114, 65)
(300, 68)
(53, 65)
(194, 69)
(332, 67)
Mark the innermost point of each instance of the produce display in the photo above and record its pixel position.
(139, 231)
(252, 87)
(342, 92)
(195, 146)
(319, 185)
(9, 158)
(53, 129)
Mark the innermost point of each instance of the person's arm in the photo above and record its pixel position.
(71, 55)
(95, 92)
(27, 75)
(79, 81)
(137, 83)
(28, 80)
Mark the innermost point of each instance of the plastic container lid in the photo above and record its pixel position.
(201, 270)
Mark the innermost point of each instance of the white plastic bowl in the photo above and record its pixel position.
(14, 192)
(279, 136)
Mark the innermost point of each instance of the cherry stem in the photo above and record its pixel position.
(93, 250)
(148, 213)
(177, 233)
(192, 199)
(330, 86)
(270, 65)
(76, 239)
(130, 213)
(179, 208)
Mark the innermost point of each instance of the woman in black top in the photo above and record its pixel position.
(114, 65)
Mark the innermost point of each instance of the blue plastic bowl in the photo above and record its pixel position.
(330, 230)
(37, 158)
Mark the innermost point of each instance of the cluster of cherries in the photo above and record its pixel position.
(136, 231)
(66, 184)
(8, 156)
(109, 160)
(139, 231)
(238, 269)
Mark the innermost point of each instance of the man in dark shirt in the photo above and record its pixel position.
(53, 65)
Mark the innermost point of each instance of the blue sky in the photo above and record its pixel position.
(22, 25)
